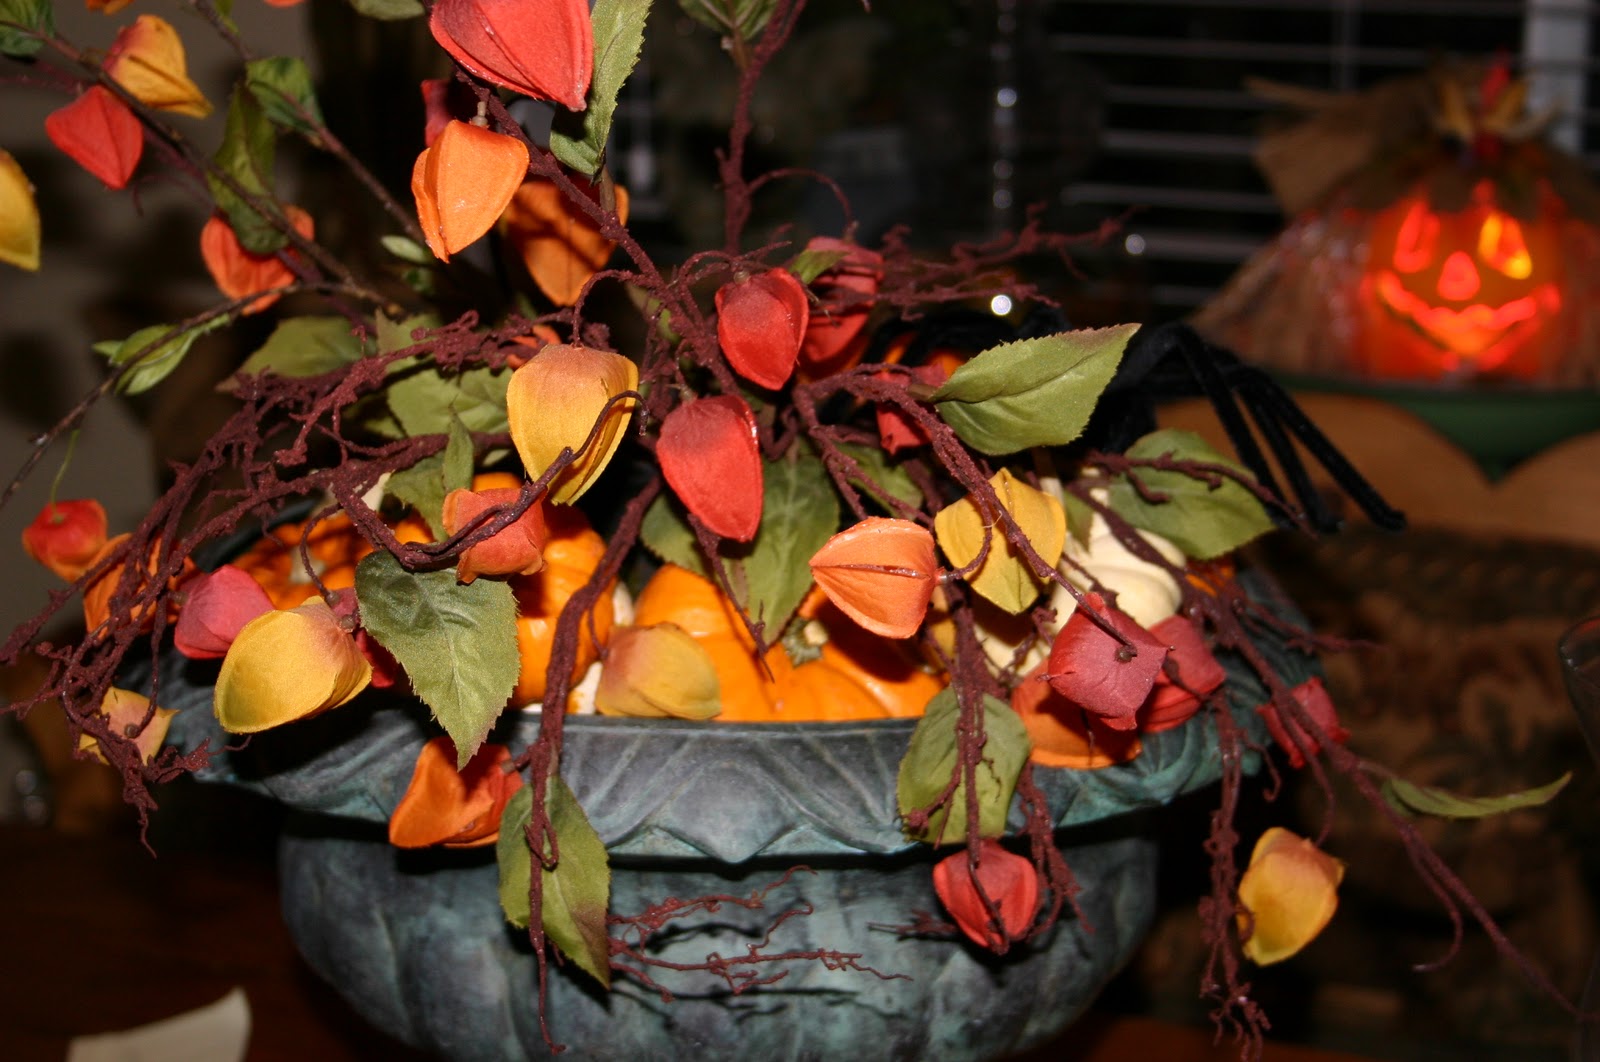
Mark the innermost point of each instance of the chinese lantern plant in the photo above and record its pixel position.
(832, 537)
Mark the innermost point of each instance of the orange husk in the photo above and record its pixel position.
(543, 49)
(881, 573)
(1290, 890)
(256, 691)
(462, 183)
(454, 808)
(656, 672)
(106, 7)
(1004, 578)
(99, 133)
(125, 711)
(1063, 734)
(19, 217)
(239, 273)
(67, 536)
(560, 245)
(147, 59)
(516, 549)
(553, 403)
(98, 594)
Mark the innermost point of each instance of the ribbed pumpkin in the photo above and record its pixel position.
(858, 675)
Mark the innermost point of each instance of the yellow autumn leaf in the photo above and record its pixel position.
(554, 402)
(19, 216)
(1004, 577)
(147, 59)
(1291, 891)
(287, 665)
(658, 671)
(125, 711)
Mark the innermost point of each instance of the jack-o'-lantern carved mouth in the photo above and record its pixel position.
(1469, 331)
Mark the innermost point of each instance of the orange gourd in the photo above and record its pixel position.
(858, 674)
(571, 555)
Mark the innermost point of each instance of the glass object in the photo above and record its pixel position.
(1579, 650)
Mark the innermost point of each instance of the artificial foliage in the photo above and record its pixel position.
(785, 492)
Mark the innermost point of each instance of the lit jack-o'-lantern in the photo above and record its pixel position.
(1469, 292)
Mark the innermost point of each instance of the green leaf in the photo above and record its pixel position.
(575, 895)
(742, 18)
(1429, 800)
(388, 10)
(1033, 392)
(33, 16)
(809, 265)
(425, 484)
(1202, 520)
(1080, 518)
(799, 513)
(393, 335)
(407, 250)
(305, 346)
(579, 138)
(424, 400)
(154, 363)
(515, 858)
(930, 763)
(457, 643)
(577, 892)
(884, 481)
(666, 533)
(245, 154)
(282, 87)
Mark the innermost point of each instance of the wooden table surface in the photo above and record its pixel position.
(97, 935)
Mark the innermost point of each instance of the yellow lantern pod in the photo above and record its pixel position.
(658, 671)
(287, 665)
(125, 711)
(1291, 892)
(553, 404)
(147, 59)
(19, 216)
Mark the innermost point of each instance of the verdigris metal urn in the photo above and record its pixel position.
(416, 941)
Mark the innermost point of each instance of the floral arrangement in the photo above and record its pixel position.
(773, 497)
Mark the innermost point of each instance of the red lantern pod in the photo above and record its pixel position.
(540, 48)
(1007, 879)
(1170, 704)
(215, 609)
(1296, 742)
(761, 321)
(830, 344)
(99, 133)
(1096, 671)
(709, 455)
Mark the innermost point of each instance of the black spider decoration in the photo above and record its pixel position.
(1167, 362)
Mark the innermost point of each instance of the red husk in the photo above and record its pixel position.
(709, 455)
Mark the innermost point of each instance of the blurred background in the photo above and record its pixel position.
(1129, 121)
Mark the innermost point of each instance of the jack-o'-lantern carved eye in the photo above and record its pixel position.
(1501, 245)
(1418, 237)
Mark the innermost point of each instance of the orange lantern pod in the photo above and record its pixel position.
(462, 183)
(560, 246)
(238, 273)
(1469, 292)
